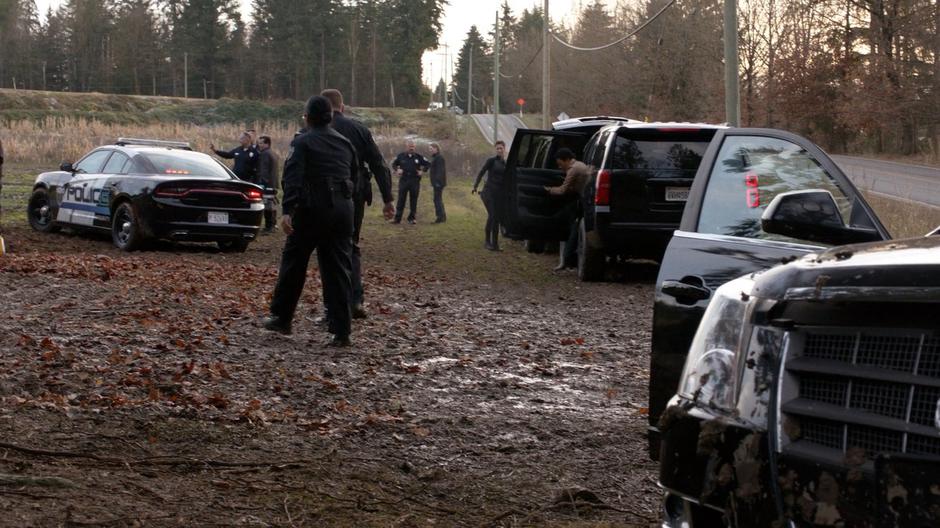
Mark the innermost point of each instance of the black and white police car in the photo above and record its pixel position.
(141, 190)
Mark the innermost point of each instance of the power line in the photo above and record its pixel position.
(526, 67)
(621, 39)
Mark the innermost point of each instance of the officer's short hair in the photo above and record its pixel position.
(564, 154)
(265, 139)
(335, 96)
(410, 141)
(499, 142)
(319, 110)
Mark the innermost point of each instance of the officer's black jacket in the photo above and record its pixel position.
(321, 162)
(246, 162)
(368, 153)
(410, 164)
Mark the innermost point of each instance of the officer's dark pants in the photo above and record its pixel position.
(328, 230)
(439, 203)
(492, 215)
(410, 186)
(569, 253)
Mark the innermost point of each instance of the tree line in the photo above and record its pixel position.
(370, 49)
(856, 75)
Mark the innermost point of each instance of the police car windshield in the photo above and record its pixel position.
(182, 163)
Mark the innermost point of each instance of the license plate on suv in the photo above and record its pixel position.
(218, 218)
(677, 194)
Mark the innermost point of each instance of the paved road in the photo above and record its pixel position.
(508, 123)
(898, 180)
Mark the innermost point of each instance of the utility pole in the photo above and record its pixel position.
(470, 84)
(185, 74)
(445, 56)
(496, 82)
(732, 95)
(546, 66)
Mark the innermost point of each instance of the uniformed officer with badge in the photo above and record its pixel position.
(318, 180)
(409, 166)
(245, 156)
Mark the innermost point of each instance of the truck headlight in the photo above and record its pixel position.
(709, 377)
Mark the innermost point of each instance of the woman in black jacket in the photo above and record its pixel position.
(492, 193)
(438, 172)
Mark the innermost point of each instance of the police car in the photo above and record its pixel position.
(141, 190)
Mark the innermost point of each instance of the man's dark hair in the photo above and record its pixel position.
(265, 139)
(335, 96)
(319, 111)
(564, 154)
(499, 142)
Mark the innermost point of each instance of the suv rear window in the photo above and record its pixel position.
(668, 151)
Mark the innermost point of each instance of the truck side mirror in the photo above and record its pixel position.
(66, 167)
(812, 215)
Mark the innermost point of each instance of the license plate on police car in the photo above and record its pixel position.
(677, 194)
(218, 218)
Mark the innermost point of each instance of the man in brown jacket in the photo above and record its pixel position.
(577, 175)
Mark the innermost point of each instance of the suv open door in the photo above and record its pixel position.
(529, 211)
(722, 237)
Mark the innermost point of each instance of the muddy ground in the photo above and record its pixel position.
(138, 390)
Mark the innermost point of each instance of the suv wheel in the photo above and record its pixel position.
(591, 260)
(535, 246)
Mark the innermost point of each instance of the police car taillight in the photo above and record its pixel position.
(170, 191)
(602, 192)
(253, 195)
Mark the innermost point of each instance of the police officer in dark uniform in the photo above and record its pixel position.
(319, 177)
(245, 156)
(369, 156)
(408, 165)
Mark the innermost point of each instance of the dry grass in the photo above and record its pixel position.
(904, 218)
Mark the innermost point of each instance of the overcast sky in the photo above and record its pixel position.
(458, 17)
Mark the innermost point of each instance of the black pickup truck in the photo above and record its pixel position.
(809, 394)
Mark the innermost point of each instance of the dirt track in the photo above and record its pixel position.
(145, 381)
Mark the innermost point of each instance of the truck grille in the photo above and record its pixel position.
(862, 391)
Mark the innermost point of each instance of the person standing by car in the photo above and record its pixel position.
(438, 173)
(245, 156)
(577, 175)
(408, 166)
(369, 156)
(267, 178)
(493, 168)
(319, 177)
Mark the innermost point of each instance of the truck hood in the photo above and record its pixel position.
(907, 269)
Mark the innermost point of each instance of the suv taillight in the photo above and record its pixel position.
(602, 193)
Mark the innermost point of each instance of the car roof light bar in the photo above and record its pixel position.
(153, 143)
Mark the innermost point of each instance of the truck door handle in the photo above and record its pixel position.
(689, 290)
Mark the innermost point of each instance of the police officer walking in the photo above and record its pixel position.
(319, 177)
(245, 156)
(408, 165)
(267, 178)
(369, 156)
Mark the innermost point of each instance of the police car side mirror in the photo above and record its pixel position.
(812, 215)
(66, 167)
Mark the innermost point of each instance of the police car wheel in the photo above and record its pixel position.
(39, 212)
(233, 246)
(125, 229)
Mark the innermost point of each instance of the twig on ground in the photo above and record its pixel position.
(26, 480)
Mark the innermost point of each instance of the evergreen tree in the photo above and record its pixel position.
(482, 73)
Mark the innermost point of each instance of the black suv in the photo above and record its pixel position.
(634, 201)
